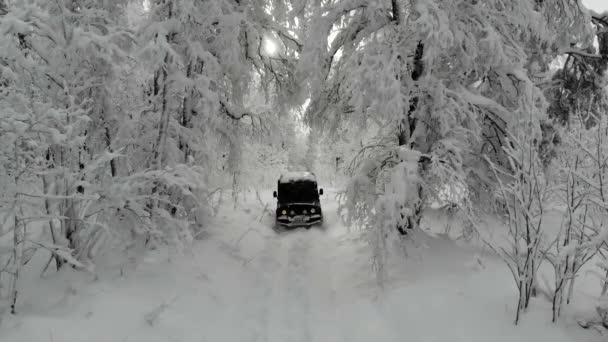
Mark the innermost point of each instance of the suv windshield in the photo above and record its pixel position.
(298, 192)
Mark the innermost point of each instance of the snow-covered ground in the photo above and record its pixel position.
(246, 282)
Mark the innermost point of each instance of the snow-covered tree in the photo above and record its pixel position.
(116, 119)
(48, 114)
(444, 80)
(580, 82)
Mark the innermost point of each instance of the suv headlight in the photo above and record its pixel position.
(284, 212)
(304, 212)
(292, 212)
(312, 211)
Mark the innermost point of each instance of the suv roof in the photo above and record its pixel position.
(290, 177)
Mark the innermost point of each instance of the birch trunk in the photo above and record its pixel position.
(55, 231)
(17, 262)
(17, 243)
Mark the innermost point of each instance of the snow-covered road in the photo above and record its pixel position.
(246, 282)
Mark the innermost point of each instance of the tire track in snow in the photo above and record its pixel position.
(323, 290)
(274, 327)
(298, 292)
(253, 305)
(290, 315)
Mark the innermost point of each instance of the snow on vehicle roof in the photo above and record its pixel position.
(289, 177)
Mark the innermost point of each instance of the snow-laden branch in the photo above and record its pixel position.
(571, 51)
(334, 12)
(60, 197)
(283, 33)
(233, 113)
(601, 19)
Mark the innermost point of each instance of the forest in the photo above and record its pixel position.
(131, 127)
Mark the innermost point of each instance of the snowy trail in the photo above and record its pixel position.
(296, 300)
(292, 294)
(248, 283)
(323, 294)
(302, 304)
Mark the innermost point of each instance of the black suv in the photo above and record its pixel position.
(298, 201)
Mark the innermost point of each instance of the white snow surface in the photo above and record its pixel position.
(246, 282)
(295, 176)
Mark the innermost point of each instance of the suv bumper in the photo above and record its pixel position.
(298, 221)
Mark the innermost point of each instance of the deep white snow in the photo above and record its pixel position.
(246, 282)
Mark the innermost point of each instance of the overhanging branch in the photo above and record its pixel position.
(231, 113)
(582, 54)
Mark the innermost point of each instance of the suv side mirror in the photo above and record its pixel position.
(321, 191)
(274, 194)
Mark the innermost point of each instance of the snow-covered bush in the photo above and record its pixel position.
(579, 183)
(524, 191)
(583, 159)
(395, 206)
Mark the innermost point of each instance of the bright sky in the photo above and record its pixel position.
(596, 5)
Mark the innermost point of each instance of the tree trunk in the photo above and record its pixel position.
(186, 116)
(17, 263)
(396, 9)
(406, 131)
(17, 242)
(3, 8)
(159, 148)
(161, 139)
(520, 302)
(53, 229)
(165, 117)
(409, 122)
(113, 166)
(570, 289)
(605, 287)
